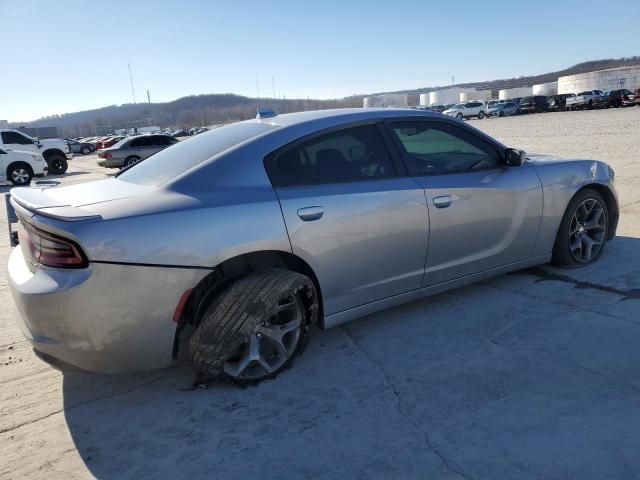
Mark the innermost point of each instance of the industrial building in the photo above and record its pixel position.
(515, 93)
(386, 100)
(610, 79)
(550, 88)
(424, 100)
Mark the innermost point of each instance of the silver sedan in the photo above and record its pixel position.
(502, 109)
(131, 150)
(227, 248)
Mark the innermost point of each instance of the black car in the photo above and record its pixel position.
(80, 147)
(558, 102)
(536, 103)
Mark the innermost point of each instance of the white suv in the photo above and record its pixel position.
(20, 167)
(467, 110)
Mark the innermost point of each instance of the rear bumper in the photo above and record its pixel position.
(110, 162)
(105, 318)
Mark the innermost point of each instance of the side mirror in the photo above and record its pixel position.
(515, 157)
(36, 140)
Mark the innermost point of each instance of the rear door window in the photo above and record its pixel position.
(347, 155)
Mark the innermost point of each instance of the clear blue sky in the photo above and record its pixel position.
(62, 56)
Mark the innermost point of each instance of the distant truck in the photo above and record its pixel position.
(54, 150)
(583, 100)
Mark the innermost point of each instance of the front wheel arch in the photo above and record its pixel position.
(611, 203)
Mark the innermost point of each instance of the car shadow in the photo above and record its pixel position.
(363, 397)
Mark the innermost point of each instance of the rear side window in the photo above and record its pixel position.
(170, 162)
(351, 154)
(439, 149)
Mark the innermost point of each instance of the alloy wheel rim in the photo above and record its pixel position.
(587, 230)
(20, 175)
(271, 344)
(57, 164)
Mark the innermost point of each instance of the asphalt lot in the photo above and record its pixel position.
(529, 375)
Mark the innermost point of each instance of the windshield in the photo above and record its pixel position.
(173, 161)
(458, 105)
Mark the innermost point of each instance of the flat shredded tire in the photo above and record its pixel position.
(254, 328)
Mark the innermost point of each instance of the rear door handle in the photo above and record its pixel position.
(442, 201)
(309, 214)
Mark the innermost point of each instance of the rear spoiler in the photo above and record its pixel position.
(65, 213)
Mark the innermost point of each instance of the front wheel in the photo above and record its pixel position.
(86, 150)
(20, 175)
(57, 164)
(582, 236)
(459, 116)
(481, 115)
(254, 329)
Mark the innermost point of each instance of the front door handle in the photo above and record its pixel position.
(442, 201)
(309, 214)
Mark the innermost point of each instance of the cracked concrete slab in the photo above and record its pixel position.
(534, 374)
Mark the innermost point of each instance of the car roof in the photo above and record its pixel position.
(343, 115)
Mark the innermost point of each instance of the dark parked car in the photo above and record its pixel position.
(536, 103)
(80, 147)
(133, 149)
(614, 98)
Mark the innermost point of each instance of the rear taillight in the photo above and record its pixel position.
(51, 250)
(104, 155)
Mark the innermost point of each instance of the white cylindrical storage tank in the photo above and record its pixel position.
(610, 79)
(446, 96)
(550, 88)
(518, 92)
(469, 95)
(386, 100)
(424, 100)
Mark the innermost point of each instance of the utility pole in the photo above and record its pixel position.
(273, 86)
(453, 80)
(133, 93)
(148, 97)
(257, 87)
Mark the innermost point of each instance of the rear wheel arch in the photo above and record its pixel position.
(224, 274)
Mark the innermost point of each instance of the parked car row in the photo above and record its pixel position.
(589, 99)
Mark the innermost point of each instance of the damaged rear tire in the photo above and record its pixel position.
(254, 329)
